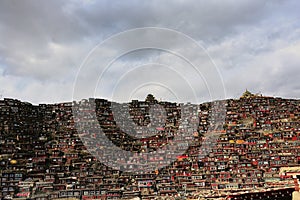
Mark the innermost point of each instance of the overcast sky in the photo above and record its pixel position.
(254, 44)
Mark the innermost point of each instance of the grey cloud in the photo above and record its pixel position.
(42, 43)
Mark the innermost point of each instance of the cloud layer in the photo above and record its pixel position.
(254, 43)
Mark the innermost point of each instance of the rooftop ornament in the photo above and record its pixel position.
(247, 94)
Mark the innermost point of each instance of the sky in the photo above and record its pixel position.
(55, 51)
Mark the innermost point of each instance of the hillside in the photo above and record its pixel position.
(42, 155)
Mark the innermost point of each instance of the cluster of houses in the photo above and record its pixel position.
(55, 151)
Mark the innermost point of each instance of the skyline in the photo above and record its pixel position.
(254, 44)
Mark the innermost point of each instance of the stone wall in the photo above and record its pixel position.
(296, 195)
